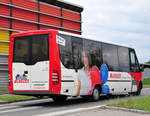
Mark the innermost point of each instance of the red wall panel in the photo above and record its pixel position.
(71, 25)
(49, 20)
(47, 27)
(71, 15)
(4, 10)
(49, 9)
(23, 26)
(29, 4)
(5, 1)
(4, 22)
(22, 14)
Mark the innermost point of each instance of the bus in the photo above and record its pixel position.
(59, 64)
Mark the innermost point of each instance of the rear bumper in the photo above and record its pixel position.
(33, 93)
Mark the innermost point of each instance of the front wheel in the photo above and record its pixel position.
(138, 91)
(96, 94)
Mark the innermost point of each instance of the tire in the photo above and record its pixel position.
(138, 91)
(59, 99)
(96, 94)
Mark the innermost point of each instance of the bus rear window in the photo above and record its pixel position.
(31, 49)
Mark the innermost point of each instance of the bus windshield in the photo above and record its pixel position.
(31, 49)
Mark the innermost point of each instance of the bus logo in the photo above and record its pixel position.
(21, 78)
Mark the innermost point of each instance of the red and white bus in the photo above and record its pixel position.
(58, 64)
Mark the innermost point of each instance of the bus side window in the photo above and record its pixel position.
(93, 49)
(65, 52)
(77, 46)
(134, 66)
(123, 54)
(110, 56)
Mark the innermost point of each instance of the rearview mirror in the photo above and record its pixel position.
(141, 68)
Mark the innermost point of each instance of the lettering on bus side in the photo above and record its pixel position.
(86, 56)
(115, 75)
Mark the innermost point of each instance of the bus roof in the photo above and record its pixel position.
(108, 42)
(67, 33)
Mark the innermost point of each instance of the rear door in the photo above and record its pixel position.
(31, 62)
(40, 63)
(21, 71)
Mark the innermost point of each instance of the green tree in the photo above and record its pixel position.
(148, 62)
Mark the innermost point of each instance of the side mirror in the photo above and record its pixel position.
(142, 68)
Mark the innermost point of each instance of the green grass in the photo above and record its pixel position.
(3, 91)
(15, 98)
(146, 82)
(137, 103)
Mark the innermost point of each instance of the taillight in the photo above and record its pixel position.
(55, 77)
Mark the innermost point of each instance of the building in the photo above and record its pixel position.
(146, 73)
(23, 15)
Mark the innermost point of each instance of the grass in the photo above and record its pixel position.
(138, 103)
(15, 98)
(3, 91)
(146, 82)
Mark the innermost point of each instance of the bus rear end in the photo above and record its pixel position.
(33, 63)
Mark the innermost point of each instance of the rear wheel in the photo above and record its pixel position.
(96, 94)
(59, 98)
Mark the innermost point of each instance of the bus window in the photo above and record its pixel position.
(134, 62)
(123, 54)
(31, 49)
(77, 46)
(94, 50)
(65, 52)
(21, 50)
(40, 48)
(110, 56)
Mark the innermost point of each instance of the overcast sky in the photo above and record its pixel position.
(121, 21)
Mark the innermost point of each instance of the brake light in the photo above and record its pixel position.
(55, 77)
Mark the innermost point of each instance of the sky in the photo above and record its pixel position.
(121, 21)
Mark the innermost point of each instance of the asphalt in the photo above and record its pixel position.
(73, 107)
(107, 112)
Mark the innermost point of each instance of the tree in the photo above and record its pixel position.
(148, 62)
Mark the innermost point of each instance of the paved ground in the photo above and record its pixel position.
(73, 107)
(101, 112)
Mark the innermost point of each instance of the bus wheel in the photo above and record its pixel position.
(96, 94)
(59, 98)
(139, 90)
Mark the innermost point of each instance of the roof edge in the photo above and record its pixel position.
(64, 4)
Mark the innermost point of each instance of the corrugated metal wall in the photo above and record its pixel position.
(23, 15)
(4, 48)
(4, 72)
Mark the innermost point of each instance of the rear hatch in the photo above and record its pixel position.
(31, 63)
